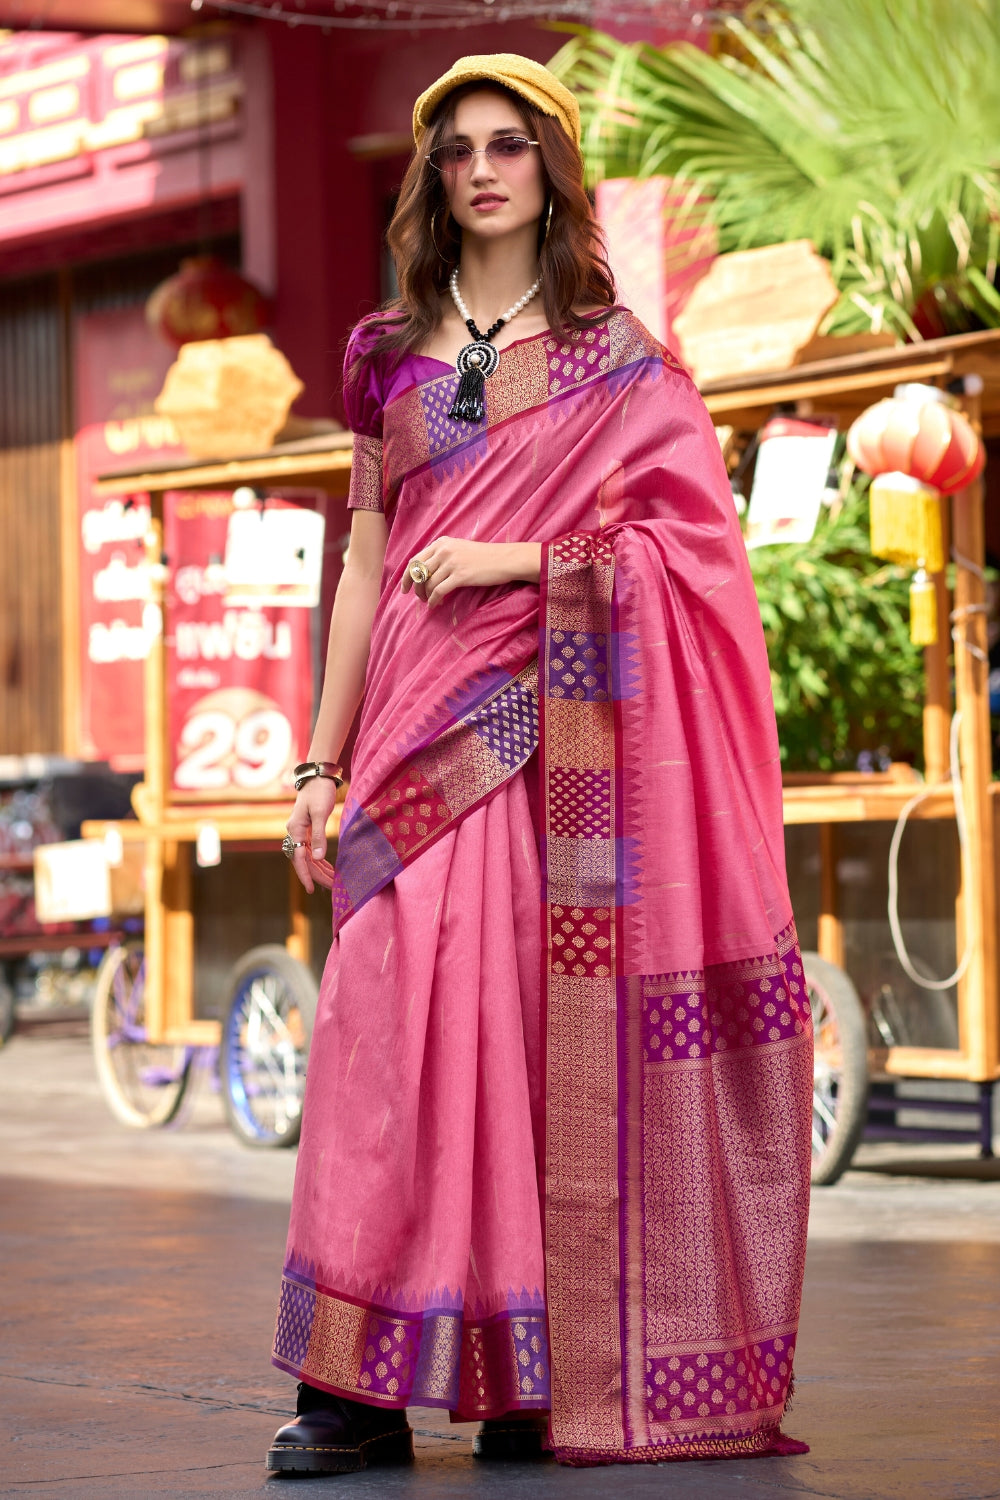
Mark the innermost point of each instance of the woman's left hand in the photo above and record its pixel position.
(453, 563)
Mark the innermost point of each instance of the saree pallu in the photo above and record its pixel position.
(677, 1059)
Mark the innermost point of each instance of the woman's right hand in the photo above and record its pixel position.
(307, 824)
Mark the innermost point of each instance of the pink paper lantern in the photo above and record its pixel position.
(918, 432)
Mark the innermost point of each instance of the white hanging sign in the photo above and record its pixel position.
(793, 461)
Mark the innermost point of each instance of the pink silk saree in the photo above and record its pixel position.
(675, 1040)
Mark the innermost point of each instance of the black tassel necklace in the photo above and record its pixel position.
(480, 358)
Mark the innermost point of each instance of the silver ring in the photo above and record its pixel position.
(419, 571)
(289, 846)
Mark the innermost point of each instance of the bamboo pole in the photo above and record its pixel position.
(979, 1031)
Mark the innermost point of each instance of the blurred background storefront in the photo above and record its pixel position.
(137, 136)
(278, 150)
(247, 154)
(276, 147)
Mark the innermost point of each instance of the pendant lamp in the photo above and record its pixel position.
(206, 299)
(917, 446)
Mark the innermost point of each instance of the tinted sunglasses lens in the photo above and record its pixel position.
(511, 148)
(448, 158)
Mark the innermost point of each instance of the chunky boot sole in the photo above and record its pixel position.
(513, 1444)
(374, 1452)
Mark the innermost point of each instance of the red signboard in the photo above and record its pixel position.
(120, 367)
(239, 666)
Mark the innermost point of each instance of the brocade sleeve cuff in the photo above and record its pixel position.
(366, 474)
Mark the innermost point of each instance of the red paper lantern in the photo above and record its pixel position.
(206, 299)
(918, 432)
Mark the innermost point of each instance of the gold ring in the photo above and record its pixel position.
(289, 846)
(419, 571)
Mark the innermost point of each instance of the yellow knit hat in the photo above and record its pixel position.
(527, 78)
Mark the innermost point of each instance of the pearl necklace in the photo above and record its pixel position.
(480, 358)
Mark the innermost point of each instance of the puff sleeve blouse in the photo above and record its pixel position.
(363, 405)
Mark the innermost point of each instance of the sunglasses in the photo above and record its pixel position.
(454, 156)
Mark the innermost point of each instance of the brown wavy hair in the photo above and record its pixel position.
(426, 242)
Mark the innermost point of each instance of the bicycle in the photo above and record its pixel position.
(269, 1012)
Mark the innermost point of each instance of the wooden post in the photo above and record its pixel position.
(297, 941)
(978, 997)
(937, 676)
(178, 937)
(154, 794)
(69, 531)
(155, 774)
(830, 934)
(153, 939)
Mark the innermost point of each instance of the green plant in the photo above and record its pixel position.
(867, 126)
(845, 676)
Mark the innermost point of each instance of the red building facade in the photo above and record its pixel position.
(277, 148)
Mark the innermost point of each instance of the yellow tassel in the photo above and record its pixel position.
(906, 522)
(923, 610)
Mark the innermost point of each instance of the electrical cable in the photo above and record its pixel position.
(430, 15)
(955, 783)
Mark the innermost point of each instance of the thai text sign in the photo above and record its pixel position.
(239, 666)
(120, 366)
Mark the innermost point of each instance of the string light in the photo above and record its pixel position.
(435, 15)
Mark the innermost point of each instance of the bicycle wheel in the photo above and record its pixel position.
(840, 1069)
(142, 1084)
(270, 1010)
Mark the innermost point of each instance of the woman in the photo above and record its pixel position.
(555, 1155)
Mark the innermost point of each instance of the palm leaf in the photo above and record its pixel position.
(869, 128)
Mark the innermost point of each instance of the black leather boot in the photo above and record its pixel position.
(511, 1439)
(333, 1435)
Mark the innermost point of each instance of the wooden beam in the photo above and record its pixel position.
(922, 1062)
(799, 387)
(194, 1034)
(970, 352)
(330, 470)
(853, 804)
(238, 825)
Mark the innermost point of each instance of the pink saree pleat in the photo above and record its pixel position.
(657, 1058)
(415, 1218)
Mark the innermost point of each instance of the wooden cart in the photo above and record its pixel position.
(146, 1033)
(845, 386)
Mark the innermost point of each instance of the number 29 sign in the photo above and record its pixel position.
(234, 742)
(239, 698)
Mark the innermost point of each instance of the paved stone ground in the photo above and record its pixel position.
(137, 1284)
